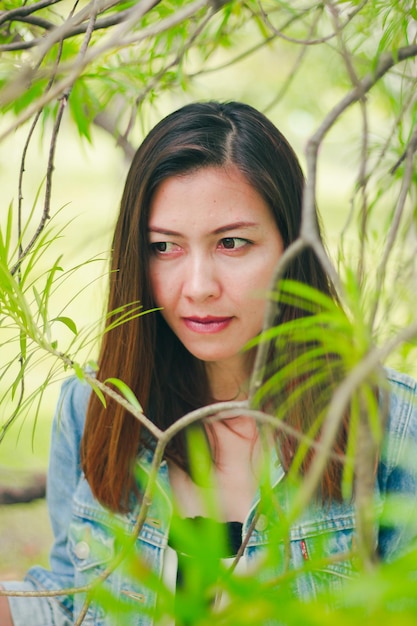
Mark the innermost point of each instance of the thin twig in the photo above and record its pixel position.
(366, 460)
(250, 51)
(386, 62)
(21, 253)
(159, 75)
(13, 14)
(36, 21)
(409, 102)
(365, 446)
(139, 415)
(74, 69)
(307, 41)
(140, 520)
(362, 175)
(395, 222)
(100, 24)
(50, 168)
(119, 40)
(59, 33)
(107, 122)
(285, 86)
(51, 158)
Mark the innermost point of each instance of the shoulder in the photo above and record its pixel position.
(397, 470)
(401, 425)
(401, 384)
(75, 393)
(72, 406)
(402, 390)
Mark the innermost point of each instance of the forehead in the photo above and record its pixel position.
(213, 193)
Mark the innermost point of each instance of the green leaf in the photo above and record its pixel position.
(126, 392)
(99, 394)
(6, 240)
(92, 365)
(68, 322)
(78, 371)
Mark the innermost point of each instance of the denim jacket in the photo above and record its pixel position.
(86, 536)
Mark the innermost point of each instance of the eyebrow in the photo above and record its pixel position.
(218, 231)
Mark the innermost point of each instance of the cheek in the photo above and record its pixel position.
(162, 288)
(253, 292)
(266, 276)
(256, 280)
(156, 285)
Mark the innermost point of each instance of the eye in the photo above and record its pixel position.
(163, 247)
(233, 243)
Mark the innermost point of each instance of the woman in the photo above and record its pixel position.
(212, 199)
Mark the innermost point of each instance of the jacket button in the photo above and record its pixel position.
(262, 523)
(82, 550)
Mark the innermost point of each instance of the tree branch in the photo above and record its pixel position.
(34, 21)
(73, 70)
(398, 213)
(100, 24)
(23, 11)
(386, 62)
(308, 41)
(107, 122)
(51, 158)
(159, 75)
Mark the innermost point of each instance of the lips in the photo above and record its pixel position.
(207, 325)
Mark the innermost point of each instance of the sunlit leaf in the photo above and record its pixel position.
(126, 392)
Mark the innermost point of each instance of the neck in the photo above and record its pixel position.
(241, 426)
(228, 382)
(233, 440)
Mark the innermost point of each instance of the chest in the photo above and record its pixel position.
(227, 494)
(227, 488)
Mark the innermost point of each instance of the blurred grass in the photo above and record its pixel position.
(25, 533)
(25, 538)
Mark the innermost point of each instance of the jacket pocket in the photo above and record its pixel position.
(91, 549)
(329, 563)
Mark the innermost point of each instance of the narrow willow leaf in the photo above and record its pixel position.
(307, 295)
(6, 240)
(23, 345)
(78, 371)
(99, 394)
(41, 309)
(69, 323)
(92, 365)
(18, 379)
(126, 392)
(27, 222)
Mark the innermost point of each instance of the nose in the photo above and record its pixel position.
(201, 280)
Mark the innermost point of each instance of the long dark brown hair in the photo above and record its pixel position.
(145, 353)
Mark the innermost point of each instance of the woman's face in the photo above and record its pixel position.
(214, 246)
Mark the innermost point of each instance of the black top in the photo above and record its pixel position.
(232, 531)
(186, 537)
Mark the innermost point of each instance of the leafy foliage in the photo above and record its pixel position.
(349, 68)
